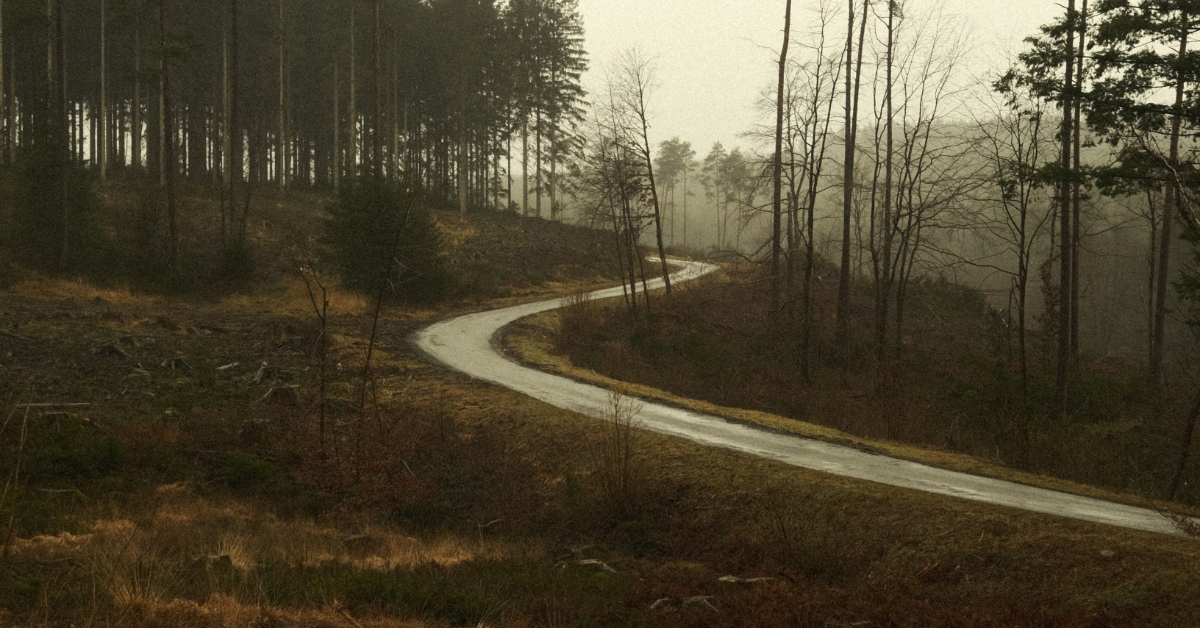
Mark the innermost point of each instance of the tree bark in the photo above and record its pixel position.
(103, 142)
(136, 131)
(280, 141)
(167, 141)
(352, 149)
(1076, 193)
(337, 128)
(525, 165)
(62, 146)
(844, 276)
(1066, 244)
(1170, 200)
(4, 103)
(883, 289)
(377, 97)
(235, 130)
(777, 166)
(1185, 448)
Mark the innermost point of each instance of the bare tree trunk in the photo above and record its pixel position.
(777, 166)
(280, 147)
(1065, 241)
(525, 165)
(103, 95)
(1152, 262)
(226, 142)
(463, 166)
(1076, 194)
(1168, 217)
(883, 289)
(234, 132)
(4, 109)
(352, 149)
(1185, 447)
(164, 129)
(167, 141)
(843, 304)
(136, 132)
(377, 97)
(337, 128)
(537, 180)
(62, 146)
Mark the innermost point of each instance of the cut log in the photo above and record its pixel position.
(266, 372)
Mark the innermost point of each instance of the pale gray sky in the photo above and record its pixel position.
(715, 56)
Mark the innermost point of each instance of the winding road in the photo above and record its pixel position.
(466, 344)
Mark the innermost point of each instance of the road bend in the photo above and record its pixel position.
(468, 344)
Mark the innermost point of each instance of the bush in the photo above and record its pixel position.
(382, 241)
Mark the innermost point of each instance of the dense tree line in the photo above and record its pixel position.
(299, 93)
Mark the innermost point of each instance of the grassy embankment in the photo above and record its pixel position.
(952, 402)
(436, 500)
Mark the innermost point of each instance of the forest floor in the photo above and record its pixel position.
(188, 495)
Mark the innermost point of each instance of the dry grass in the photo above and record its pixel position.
(533, 341)
(176, 563)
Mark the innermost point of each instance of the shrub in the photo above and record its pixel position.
(381, 241)
(616, 457)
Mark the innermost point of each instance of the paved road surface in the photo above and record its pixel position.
(465, 344)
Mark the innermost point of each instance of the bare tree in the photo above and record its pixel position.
(851, 147)
(777, 166)
(1015, 145)
(634, 81)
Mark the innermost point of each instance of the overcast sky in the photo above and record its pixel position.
(715, 56)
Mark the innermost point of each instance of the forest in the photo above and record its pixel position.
(230, 230)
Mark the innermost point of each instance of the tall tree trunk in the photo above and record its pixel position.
(1168, 217)
(103, 141)
(537, 181)
(50, 30)
(5, 119)
(226, 140)
(167, 140)
(463, 167)
(777, 166)
(234, 132)
(1185, 448)
(352, 149)
(554, 209)
(658, 230)
(844, 276)
(1076, 193)
(136, 132)
(337, 128)
(377, 99)
(62, 147)
(280, 141)
(525, 165)
(685, 197)
(883, 289)
(1151, 286)
(1066, 244)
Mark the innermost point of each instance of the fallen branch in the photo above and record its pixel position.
(9, 334)
(35, 406)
